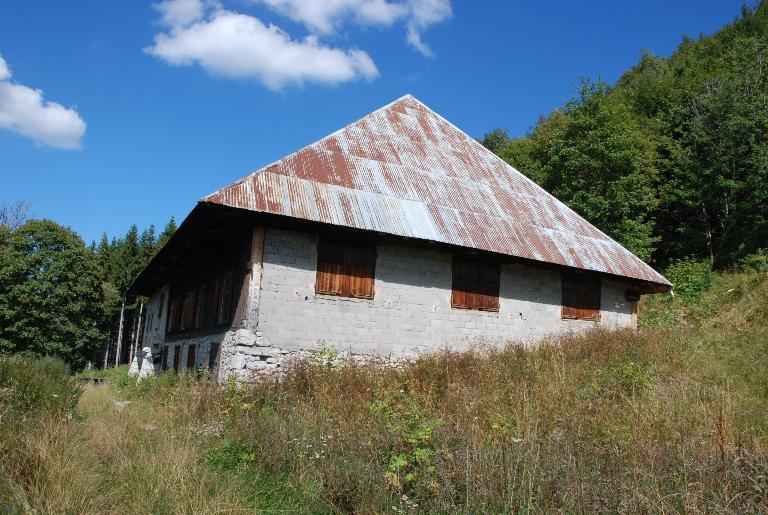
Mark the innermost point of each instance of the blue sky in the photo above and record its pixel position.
(114, 112)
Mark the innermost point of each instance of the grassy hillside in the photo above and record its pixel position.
(672, 418)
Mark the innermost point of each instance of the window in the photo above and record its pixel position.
(164, 358)
(201, 298)
(213, 354)
(191, 358)
(475, 285)
(581, 297)
(176, 357)
(188, 311)
(174, 310)
(345, 269)
(224, 294)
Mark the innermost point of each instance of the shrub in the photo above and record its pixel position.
(757, 262)
(35, 387)
(690, 277)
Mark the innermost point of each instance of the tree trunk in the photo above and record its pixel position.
(120, 334)
(109, 342)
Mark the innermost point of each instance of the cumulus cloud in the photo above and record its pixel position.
(24, 111)
(180, 12)
(5, 72)
(236, 45)
(326, 16)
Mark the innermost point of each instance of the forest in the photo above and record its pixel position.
(672, 160)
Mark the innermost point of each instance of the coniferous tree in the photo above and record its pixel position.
(168, 230)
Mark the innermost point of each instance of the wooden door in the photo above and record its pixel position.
(191, 358)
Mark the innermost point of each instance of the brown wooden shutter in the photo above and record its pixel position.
(580, 297)
(463, 279)
(475, 285)
(214, 296)
(173, 314)
(345, 269)
(487, 286)
(201, 302)
(331, 257)
(225, 304)
(176, 357)
(570, 293)
(191, 357)
(360, 267)
(590, 291)
(188, 310)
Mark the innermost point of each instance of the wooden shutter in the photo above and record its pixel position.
(188, 311)
(345, 269)
(487, 286)
(330, 268)
(212, 309)
(590, 291)
(580, 297)
(462, 295)
(225, 302)
(361, 262)
(191, 357)
(570, 302)
(173, 314)
(475, 285)
(176, 357)
(201, 305)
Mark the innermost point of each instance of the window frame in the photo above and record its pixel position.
(581, 297)
(347, 268)
(466, 280)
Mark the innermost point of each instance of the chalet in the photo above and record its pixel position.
(396, 235)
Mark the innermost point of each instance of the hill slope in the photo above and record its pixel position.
(670, 418)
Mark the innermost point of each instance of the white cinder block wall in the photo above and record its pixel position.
(411, 311)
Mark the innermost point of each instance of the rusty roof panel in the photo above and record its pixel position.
(404, 170)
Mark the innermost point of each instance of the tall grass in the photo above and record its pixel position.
(671, 418)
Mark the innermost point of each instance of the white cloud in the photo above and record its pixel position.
(180, 12)
(423, 14)
(23, 110)
(235, 45)
(5, 72)
(326, 16)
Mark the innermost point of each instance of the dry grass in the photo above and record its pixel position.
(670, 419)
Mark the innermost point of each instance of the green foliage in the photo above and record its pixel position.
(627, 377)
(324, 356)
(757, 262)
(672, 161)
(690, 277)
(412, 460)
(34, 387)
(50, 293)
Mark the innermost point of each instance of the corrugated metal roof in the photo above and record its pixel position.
(405, 170)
